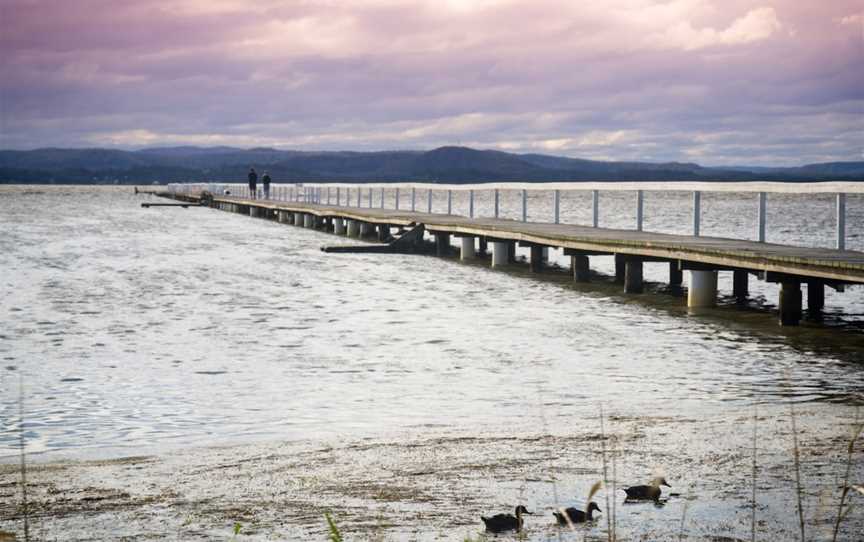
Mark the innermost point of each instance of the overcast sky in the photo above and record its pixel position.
(756, 82)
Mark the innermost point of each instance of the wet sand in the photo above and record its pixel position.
(429, 487)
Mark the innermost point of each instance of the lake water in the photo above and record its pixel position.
(148, 331)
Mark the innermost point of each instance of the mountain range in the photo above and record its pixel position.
(444, 164)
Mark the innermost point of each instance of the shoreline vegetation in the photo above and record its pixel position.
(806, 486)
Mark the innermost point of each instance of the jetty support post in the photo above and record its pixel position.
(397, 198)
(429, 201)
(640, 209)
(382, 198)
(620, 263)
(740, 285)
(353, 228)
(595, 208)
(383, 232)
(442, 243)
(536, 263)
(579, 265)
(298, 219)
(703, 289)
(481, 251)
(676, 276)
(500, 250)
(471, 203)
(633, 283)
(468, 252)
(449, 202)
(790, 302)
(413, 199)
(339, 226)
(815, 300)
(309, 221)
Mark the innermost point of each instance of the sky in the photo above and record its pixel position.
(726, 82)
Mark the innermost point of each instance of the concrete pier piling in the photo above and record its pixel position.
(815, 300)
(703, 289)
(309, 221)
(740, 286)
(633, 283)
(353, 228)
(467, 252)
(536, 258)
(620, 270)
(500, 253)
(790, 303)
(580, 267)
(676, 276)
(338, 226)
(442, 244)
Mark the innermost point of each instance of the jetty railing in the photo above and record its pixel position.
(422, 196)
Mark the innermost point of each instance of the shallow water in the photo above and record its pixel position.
(151, 330)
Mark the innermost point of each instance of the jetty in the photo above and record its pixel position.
(702, 257)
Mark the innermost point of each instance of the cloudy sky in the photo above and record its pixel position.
(710, 81)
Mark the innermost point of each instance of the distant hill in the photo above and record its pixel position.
(445, 165)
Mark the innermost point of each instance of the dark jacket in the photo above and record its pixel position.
(266, 180)
(253, 177)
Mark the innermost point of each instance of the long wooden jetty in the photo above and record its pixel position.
(702, 257)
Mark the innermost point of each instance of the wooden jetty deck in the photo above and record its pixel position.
(703, 257)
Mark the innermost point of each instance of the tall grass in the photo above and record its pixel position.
(857, 427)
(753, 482)
(610, 527)
(796, 455)
(24, 502)
(334, 533)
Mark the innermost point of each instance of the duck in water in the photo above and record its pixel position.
(505, 522)
(574, 515)
(646, 493)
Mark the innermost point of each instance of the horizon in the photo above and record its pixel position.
(157, 147)
(768, 83)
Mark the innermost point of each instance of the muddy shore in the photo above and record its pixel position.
(435, 487)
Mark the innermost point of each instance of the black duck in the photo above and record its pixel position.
(505, 522)
(576, 515)
(646, 493)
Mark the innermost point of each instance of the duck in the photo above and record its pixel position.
(574, 515)
(505, 522)
(646, 493)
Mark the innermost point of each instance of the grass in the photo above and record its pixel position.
(610, 527)
(335, 534)
(796, 456)
(24, 502)
(753, 482)
(857, 427)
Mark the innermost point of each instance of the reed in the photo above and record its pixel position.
(796, 455)
(334, 533)
(857, 428)
(753, 482)
(610, 527)
(24, 503)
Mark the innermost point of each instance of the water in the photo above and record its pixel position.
(147, 331)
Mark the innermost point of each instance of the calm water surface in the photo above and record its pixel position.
(161, 328)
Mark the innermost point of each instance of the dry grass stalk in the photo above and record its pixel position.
(797, 459)
(24, 503)
(753, 498)
(610, 528)
(856, 432)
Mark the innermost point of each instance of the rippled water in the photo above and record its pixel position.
(166, 327)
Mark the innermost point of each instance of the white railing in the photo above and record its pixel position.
(361, 195)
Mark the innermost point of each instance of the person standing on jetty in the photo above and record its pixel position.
(265, 180)
(253, 183)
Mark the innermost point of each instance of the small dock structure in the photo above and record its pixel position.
(700, 256)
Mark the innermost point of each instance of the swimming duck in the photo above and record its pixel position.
(575, 515)
(505, 522)
(647, 493)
